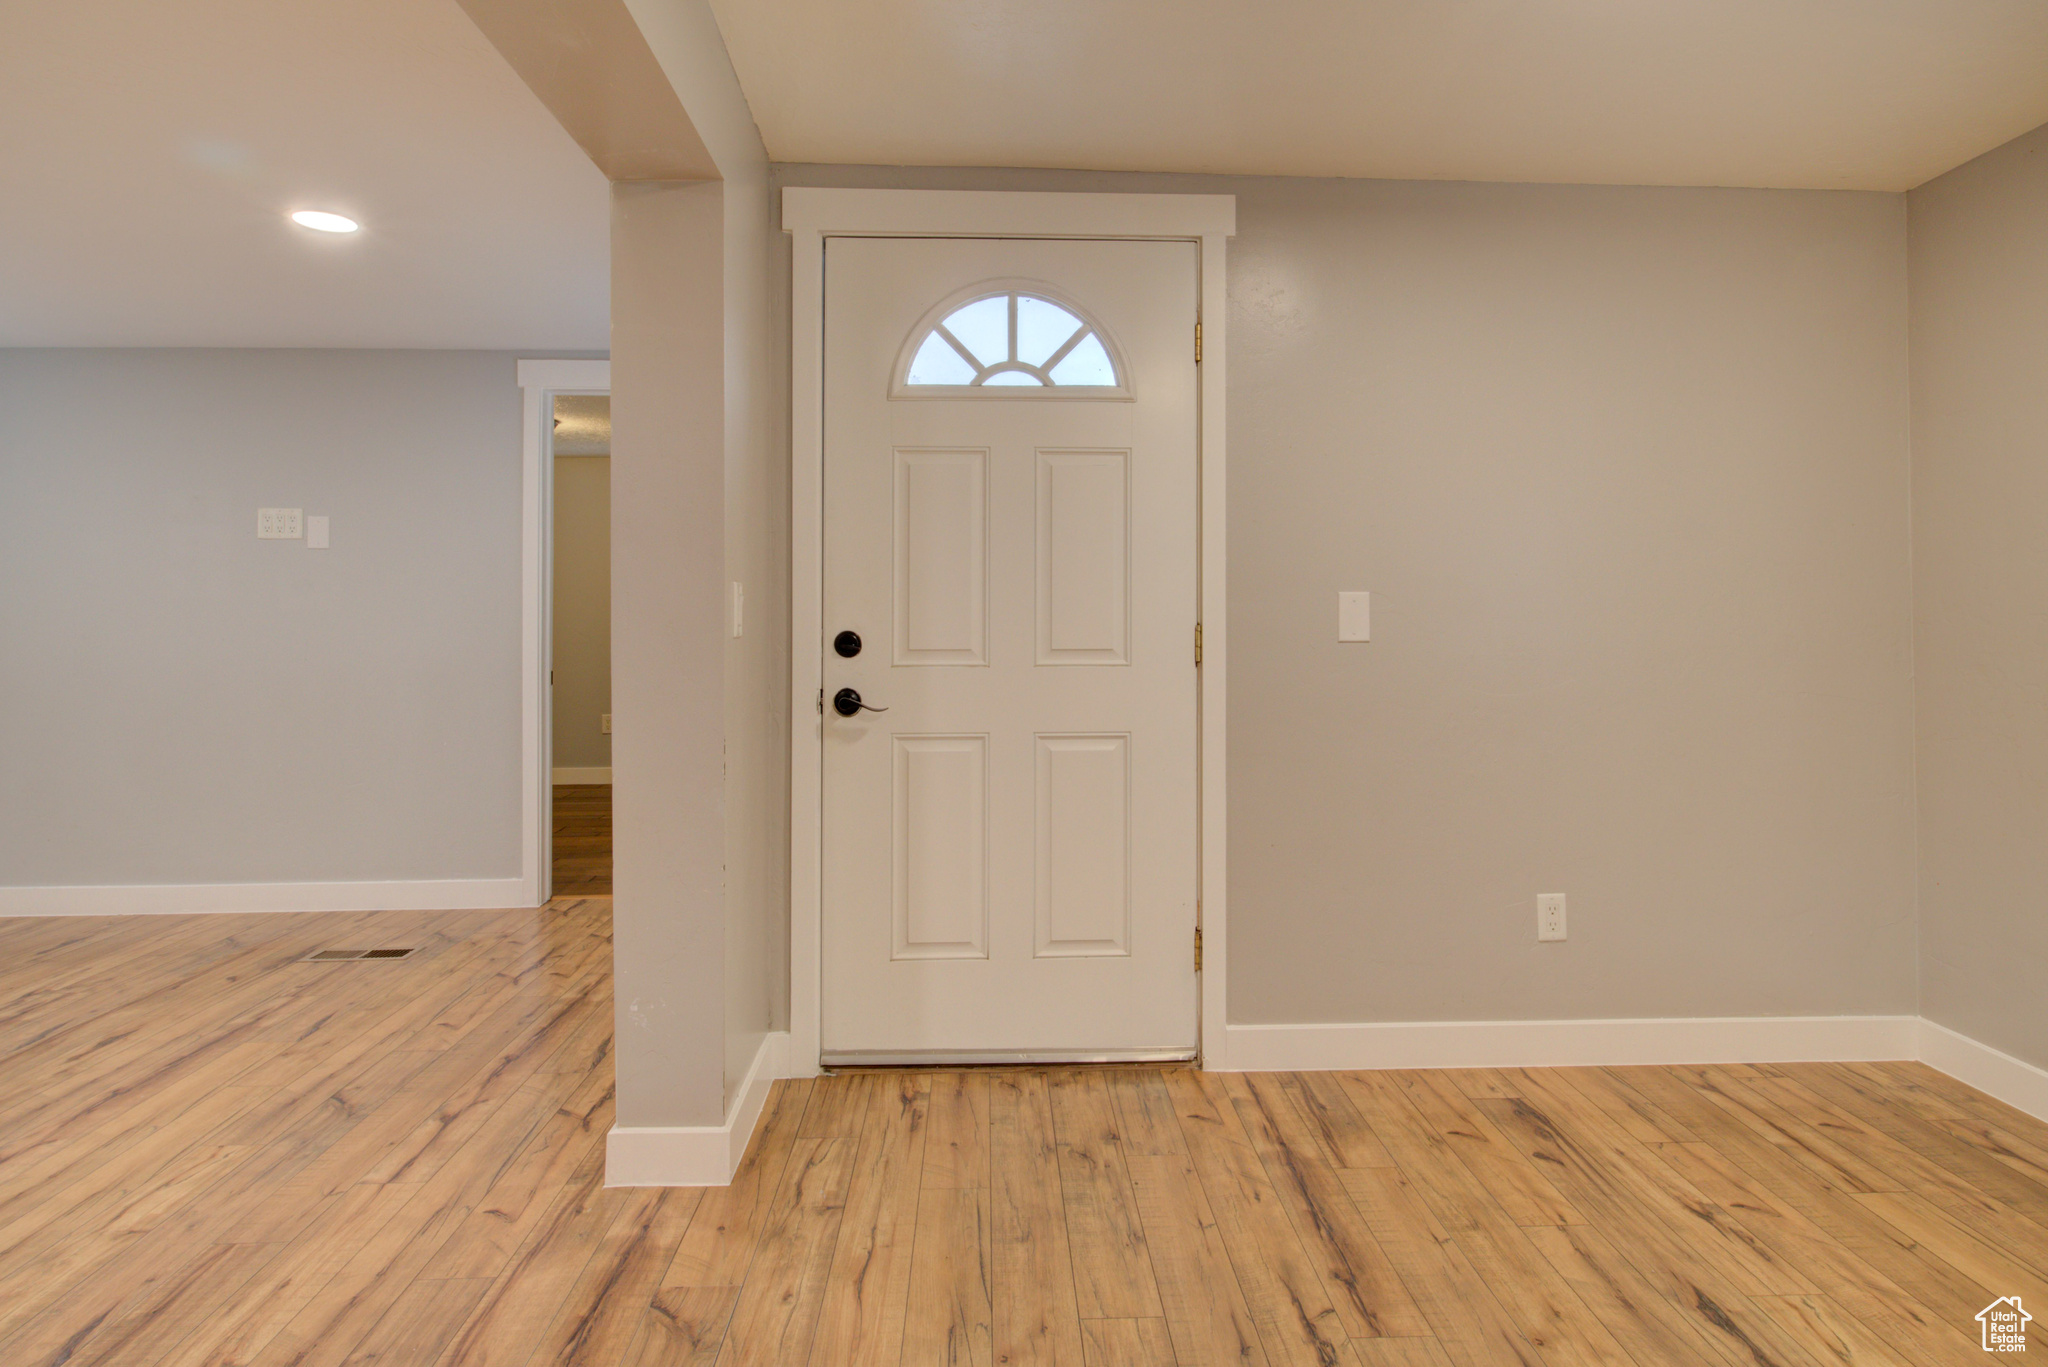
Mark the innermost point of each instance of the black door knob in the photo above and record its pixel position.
(847, 643)
(846, 702)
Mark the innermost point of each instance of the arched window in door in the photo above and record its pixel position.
(1009, 341)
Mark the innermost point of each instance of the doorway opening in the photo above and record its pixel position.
(580, 762)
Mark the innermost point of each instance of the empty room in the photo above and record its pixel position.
(852, 683)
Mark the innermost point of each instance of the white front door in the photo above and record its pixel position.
(1009, 854)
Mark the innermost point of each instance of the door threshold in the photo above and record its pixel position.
(840, 1060)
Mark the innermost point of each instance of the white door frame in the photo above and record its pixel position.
(812, 215)
(539, 382)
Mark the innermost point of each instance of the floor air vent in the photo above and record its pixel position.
(331, 956)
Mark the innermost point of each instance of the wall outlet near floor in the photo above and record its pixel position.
(604, 723)
(1550, 916)
(279, 524)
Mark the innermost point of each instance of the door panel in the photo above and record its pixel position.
(1083, 876)
(1010, 848)
(941, 557)
(1084, 566)
(941, 873)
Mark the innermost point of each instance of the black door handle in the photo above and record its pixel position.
(846, 702)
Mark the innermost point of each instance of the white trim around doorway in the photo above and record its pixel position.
(810, 216)
(539, 382)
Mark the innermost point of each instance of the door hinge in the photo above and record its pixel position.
(821, 702)
(1198, 343)
(1198, 643)
(1198, 949)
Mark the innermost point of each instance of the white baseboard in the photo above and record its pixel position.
(433, 894)
(2014, 1081)
(1568, 1043)
(706, 1155)
(590, 775)
(1609, 1043)
(696, 1155)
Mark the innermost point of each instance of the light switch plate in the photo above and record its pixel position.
(316, 532)
(278, 524)
(1354, 617)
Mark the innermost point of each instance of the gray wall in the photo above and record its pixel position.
(757, 661)
(183, 703)
(1626, 472)
(669, 908)
(582, 618)
(1980, 518)
(744, 415)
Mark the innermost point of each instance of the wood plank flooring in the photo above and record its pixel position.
(214, 1154)
(583, 840)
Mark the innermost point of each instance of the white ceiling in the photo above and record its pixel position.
(1827, 94)
(153, 148)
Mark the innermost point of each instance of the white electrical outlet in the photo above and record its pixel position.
(604, 723)
(1550, 916)
(739, 606)
(279, 524)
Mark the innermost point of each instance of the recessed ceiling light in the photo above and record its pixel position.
(324, 223)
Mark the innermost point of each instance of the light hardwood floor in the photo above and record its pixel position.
(213, 1153)
(583, 839)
